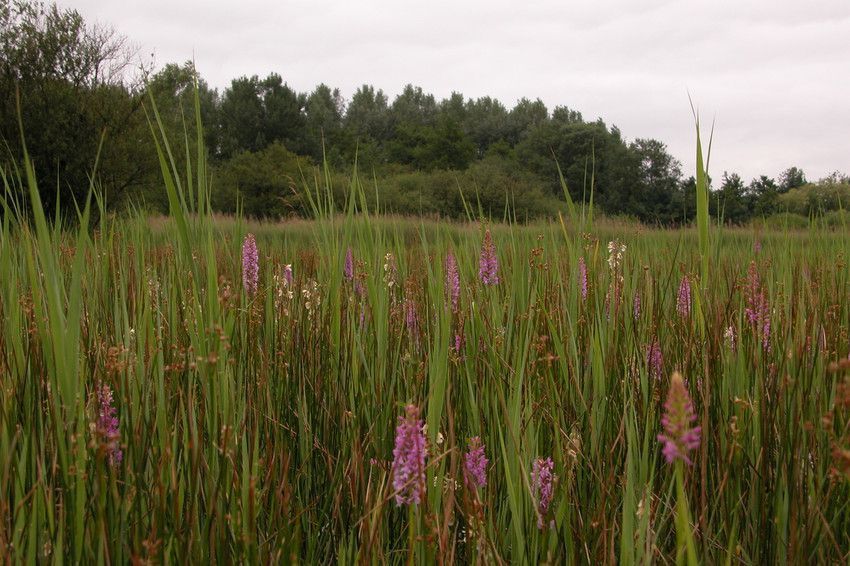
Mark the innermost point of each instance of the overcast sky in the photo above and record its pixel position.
(773, 75)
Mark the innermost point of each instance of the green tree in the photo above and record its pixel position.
(497, 181)
(764, 196)
(76, 83)
(366, 122)
(732, 200)
(173, 89)
(836, 178)
(791, 178)
(454, 108)
(524, 117)
(413, 107)
(686, 200)
(323, 114)
(658, 176)
(366, 117)
(412, 118)
(565, 115)
(445, 146)
(255, 113)
(283, 114)
(241, 122)
(589, 155)
(486, 123)
(266, 182)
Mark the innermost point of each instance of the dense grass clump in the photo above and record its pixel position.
(260, 423)
(367, 389)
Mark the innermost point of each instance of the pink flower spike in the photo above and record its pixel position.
(409, 458)
(107, 425)
(475, 464)
(679, 437)
(582, 278)
(488, 263)
(543, 487)
(348, 268)
(655, 360)
(250, 265)
(452, 281)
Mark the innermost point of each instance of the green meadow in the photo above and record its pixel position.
(160, 403)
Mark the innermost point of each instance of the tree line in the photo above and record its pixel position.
(79, 83)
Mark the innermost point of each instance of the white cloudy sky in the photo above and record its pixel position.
(774, 75)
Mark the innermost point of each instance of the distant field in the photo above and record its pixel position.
(156, 405)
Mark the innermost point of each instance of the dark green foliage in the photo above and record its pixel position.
(255, 113)
(497, 180)
(324, 133)
(493, 182)
(733, 203)
(588, 153)
(440, 146)
(764, 195)
(486, 123)
(75, 86)
(791, 178)
(366, 116)
(654, 197)
(263, 182)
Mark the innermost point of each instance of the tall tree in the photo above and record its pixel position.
(525, 116)
(255, 113)
(366, 115)
(445, 146)
(453, 108)
(323, 114)
(283, 114)
(242, 117)
(565, 115)
(76, 83)
(173, 89)
(732, 200)
(659, 175)
(413, 108)
(764, 195)
(791, 178)
(486, 123)
(589, 155)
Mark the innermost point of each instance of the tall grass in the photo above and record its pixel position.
(260, 427)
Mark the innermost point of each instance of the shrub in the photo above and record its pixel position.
(267, 183)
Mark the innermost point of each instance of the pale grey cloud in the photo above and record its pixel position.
(774, 74)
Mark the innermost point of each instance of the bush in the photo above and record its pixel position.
(268, 183)
(816, 198)
(837, 219)
(416, 192)
(492, 182)
(498, 181)
(782, 220)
